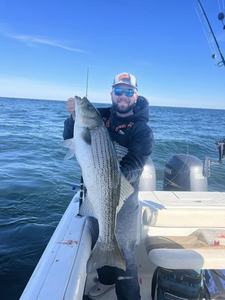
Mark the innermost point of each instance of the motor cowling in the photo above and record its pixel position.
(184, 173)
(148, 177)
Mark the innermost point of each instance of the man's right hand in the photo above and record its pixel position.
(70, 107)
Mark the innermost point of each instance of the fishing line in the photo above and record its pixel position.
(206, 35)
(212, 40)
(219, 5)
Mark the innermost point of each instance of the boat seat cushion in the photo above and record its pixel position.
(193, 241)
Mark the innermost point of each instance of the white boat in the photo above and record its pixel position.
(188, 221)
(176, 230)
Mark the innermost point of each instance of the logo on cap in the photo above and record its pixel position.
(124, 77)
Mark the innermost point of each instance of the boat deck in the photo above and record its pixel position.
(61, 271)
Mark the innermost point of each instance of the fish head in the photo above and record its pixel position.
(86, 114)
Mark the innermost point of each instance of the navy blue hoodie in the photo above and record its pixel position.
(131, 132)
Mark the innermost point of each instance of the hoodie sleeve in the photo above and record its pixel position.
(68, 128)
(139, 150)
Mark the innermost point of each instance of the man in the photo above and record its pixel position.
(126, 121)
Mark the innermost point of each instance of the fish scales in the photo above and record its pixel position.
(107, 188)
(102, 156)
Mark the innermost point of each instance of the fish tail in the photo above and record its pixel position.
(103, 255)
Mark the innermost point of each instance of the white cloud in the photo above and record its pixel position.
(31, 41)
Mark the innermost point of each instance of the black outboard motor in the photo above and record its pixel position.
(184, 173)
(148, 177)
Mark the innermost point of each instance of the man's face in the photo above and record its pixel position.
(122, 104)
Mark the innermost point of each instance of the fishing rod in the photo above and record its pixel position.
(87, 82)
(82, 191)
(82, 186)
(220, 17)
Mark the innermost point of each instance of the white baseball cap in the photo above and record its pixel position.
(125, 78)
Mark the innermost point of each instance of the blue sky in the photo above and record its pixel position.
(46, 47)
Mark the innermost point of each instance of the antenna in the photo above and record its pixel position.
(222, 63)
(87, 82)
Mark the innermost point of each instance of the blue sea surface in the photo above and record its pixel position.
(36, 182)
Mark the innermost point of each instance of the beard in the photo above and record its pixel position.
(122, 109)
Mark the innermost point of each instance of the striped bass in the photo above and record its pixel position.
(107, 188)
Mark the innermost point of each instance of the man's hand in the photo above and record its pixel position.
(70, 107)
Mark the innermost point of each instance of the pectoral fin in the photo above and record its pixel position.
(70, 143)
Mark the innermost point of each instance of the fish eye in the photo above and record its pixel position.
(90, 106)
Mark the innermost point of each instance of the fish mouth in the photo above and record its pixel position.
(78, 101)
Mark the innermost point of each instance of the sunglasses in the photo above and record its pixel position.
(128, 92)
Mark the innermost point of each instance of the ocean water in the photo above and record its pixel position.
(36, 182)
